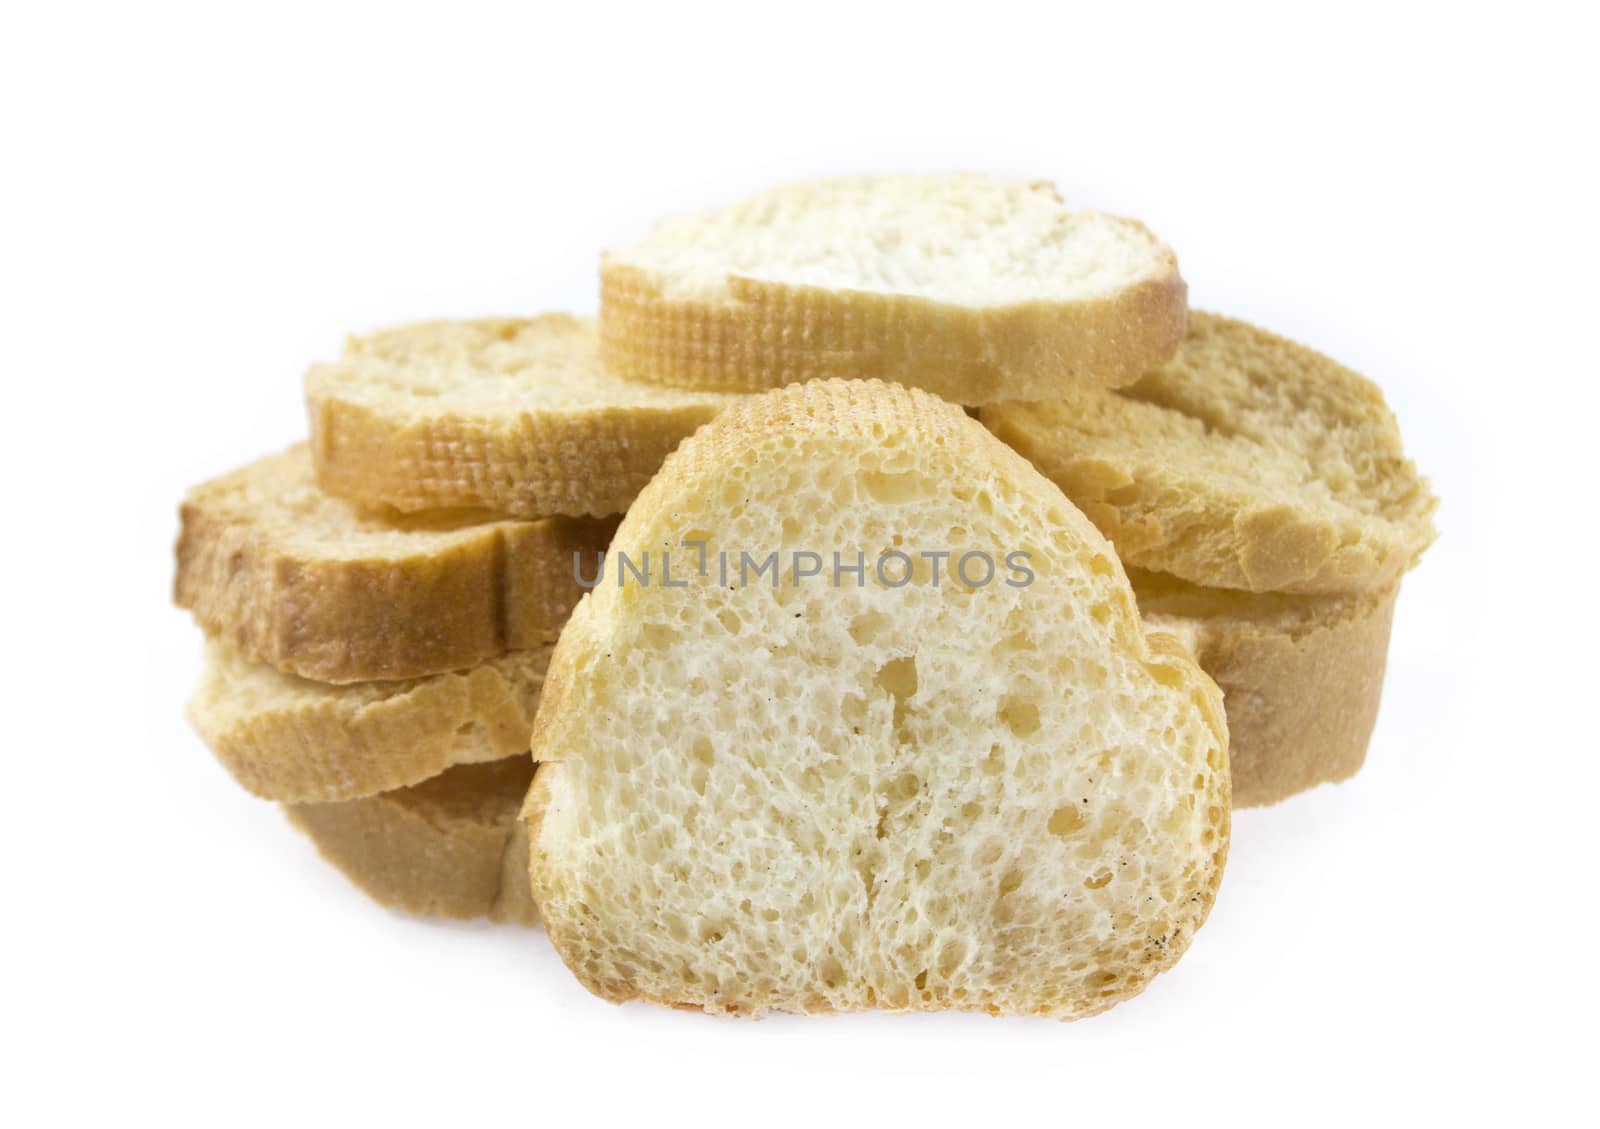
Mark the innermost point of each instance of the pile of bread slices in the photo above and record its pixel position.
(881, 604)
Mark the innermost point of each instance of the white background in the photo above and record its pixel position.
(199, 202)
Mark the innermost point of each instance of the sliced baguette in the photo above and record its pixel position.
(1301, 676)
(512, 415)
(451, 846)
(1246, 462)
(813, 798)
(314, 586)
(293, 740)
(979, 289)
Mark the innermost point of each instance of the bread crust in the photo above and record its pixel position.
(523, 466)
(306, 604)
(770, 334)
(450, 847)
(1248, 462)
(861, 409)
(295, 741)
(1301, 677)
(590, 457)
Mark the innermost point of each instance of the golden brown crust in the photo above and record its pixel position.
(840, 408)
(769, 335)
(1208, 696)
(302, 600)
(1301, 677)
(1248, 462)
(446, 847)
(522, 466)
(587, 454)
(289, 739)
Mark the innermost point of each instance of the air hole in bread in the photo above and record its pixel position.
(1064, 821)
(1021, 717)
(893, 489)
(963, 812)
(869, 627)
(899, 677)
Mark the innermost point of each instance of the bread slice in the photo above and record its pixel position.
(514, 415)
(451, 846)
(1246, 462)
(293, 740)
(976, 288)
(313, 586)
(776, 793)
(1301, 676)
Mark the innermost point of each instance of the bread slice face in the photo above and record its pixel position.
(1246, 462)
(315, 586)
(451, 846)
(513, 415)
(817, 796)
(979, 289)
(1301, 676)
(290, 739)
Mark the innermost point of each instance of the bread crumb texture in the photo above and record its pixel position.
(813, 798)
(514, 415)
(1245, 462)
(977, 288)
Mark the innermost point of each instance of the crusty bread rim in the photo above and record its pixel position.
(340, 743)
(772, 334)
(503, 586)
(740, 428)
(1222, 529)
(1301, 688)
(595, 464)
(585, 460)
(388, 847)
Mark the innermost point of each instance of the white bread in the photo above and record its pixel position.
(513, 415)
(290, 739)
(1246, 462)
(1301, 676)
(814, 798)
(451, 846)
(978, 289)
(314, 586)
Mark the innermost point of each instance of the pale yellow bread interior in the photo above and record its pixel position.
(1247, 461)
(977, 288)
(812, 797)
(513, 415)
